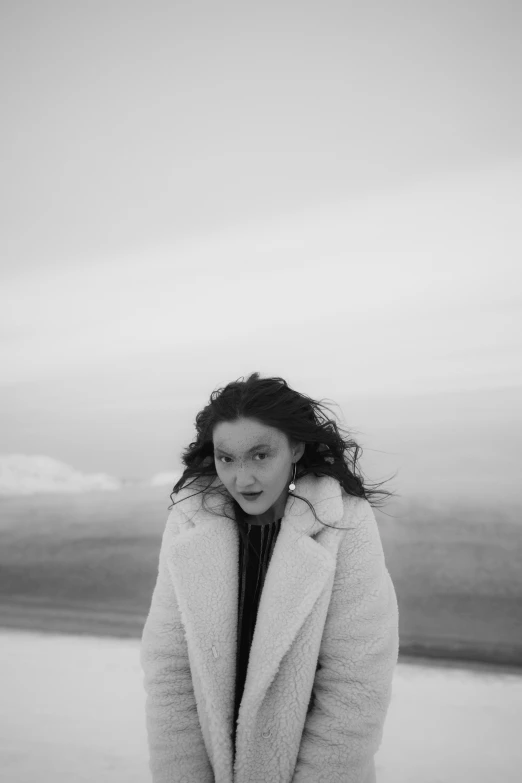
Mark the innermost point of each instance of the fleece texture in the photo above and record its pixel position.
(325, 646)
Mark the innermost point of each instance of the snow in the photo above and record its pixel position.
(25, 474)
(73, 709)
(166, 478)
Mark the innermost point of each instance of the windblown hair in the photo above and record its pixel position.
(272, 402)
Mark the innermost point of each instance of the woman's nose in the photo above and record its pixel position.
(244, 475)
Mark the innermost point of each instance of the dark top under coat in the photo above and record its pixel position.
(252, 573)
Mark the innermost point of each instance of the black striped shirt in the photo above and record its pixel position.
(252, 573)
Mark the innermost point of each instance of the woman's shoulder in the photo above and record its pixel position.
(364, 530)
(196, 496)
(354, 505)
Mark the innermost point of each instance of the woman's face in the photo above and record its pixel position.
(252, 457)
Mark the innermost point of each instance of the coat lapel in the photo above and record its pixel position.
(203, 561)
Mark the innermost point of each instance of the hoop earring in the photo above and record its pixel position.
(291, 486)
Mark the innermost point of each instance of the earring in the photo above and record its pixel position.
(292, 484)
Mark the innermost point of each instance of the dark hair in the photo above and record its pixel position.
(272, 402)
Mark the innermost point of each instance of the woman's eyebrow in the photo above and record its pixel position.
(254, 448)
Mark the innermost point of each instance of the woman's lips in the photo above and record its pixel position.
(251, 496)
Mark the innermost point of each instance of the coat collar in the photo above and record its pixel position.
(323, 492)
(203, 563)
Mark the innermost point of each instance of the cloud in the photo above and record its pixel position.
(408, 260)
(27, 474)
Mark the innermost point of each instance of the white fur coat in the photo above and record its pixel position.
(325, 646)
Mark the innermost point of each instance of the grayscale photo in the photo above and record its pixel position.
(260, 392)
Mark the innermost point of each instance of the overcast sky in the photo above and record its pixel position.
(330, 192)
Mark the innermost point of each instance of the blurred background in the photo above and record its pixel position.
(328, 192)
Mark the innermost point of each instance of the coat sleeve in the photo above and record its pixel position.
(357, 657)
(175, 741)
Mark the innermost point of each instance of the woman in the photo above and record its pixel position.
(272, 637)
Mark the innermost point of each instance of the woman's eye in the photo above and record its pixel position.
(259, 454)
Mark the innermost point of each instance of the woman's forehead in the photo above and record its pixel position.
(244, 434)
